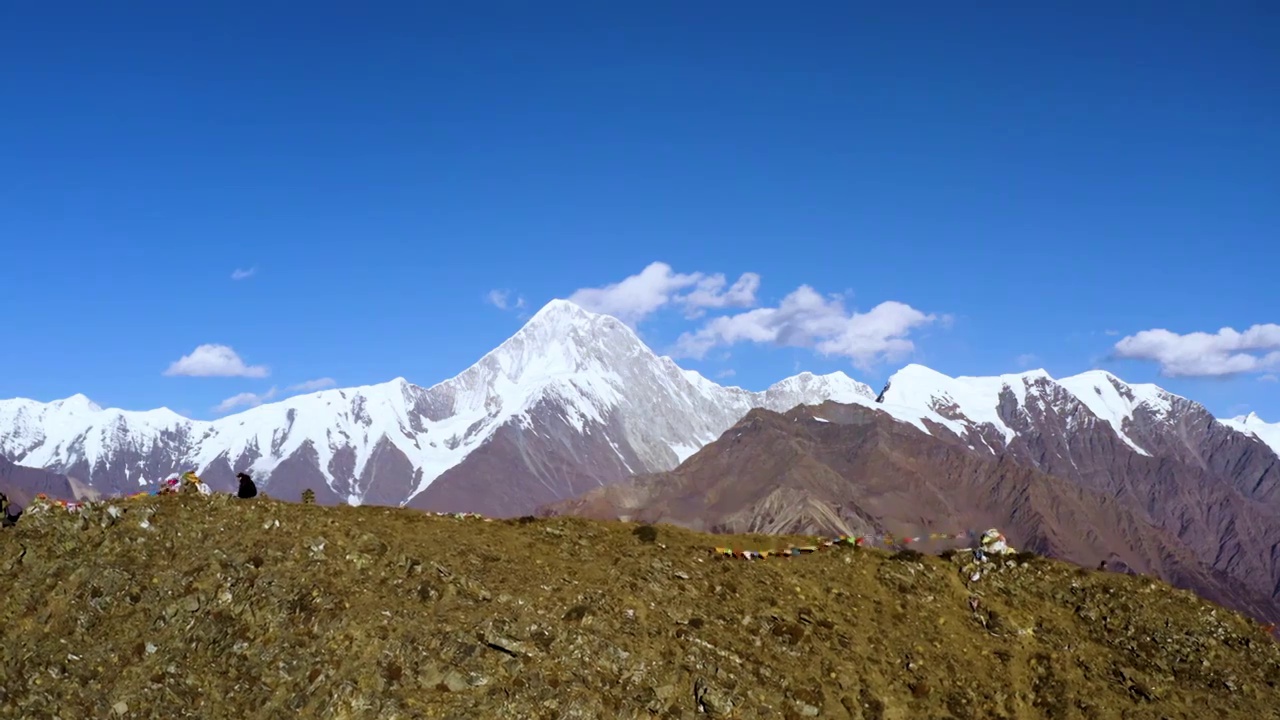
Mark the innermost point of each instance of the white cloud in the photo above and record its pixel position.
(1112, 333)
(709, 292)
(1269, 377)
(313, 385)
(215, 361)
(243, 274)
(503, 301)
(1026, 360)
(636, 297)
(1226, 352)
(245, 399)
(806, 319)
(727, 373)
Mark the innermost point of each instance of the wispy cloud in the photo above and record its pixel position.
(313, 385)
(243, 274)
(505, 300)
(1269, 377)
(1201, 354)
(244, 400)
(1112, 333)
(634, 298)
(1027, 360)
(215, 361)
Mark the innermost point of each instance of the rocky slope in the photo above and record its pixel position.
(281, 609)
(1214, 484)
(571, 401)
(853, 470)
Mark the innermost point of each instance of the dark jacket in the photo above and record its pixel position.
(247, 488)
(9, 512)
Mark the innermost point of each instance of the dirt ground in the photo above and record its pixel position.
(213, 607)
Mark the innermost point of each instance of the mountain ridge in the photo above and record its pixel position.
(586, 365)
(570, 401)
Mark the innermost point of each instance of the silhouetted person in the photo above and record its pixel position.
(9, 512)
(880, 397)
(247, 488)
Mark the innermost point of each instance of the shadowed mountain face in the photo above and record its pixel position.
(21, 484)
(851, 469)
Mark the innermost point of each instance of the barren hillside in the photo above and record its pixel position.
(186, 606)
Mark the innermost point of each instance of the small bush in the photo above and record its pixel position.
(907, 555)
(947, 554)
(526, 519)
(1026, 556)
(646, 533)
(577, 613)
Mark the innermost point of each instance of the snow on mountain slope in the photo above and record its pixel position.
(1251, 424)
(75, 431)
(977, 408)
(572, 398)
(591, 368)
(917, 393)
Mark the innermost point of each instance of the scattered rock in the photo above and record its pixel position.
(226, 612)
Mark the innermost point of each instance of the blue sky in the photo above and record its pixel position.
(1042, 183)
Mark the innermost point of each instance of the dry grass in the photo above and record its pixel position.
(261, 609)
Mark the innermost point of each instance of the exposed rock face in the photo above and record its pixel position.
(850, 469)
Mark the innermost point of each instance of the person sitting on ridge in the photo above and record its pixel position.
(9, 512)
(247, 488)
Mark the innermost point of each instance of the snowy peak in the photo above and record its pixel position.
(1118, 403)
(560, 339)
(1003, 404)
(1251, 424)
(834, 386)
(1251, 420)
(78, 403)
(560, 311)
(960, 404)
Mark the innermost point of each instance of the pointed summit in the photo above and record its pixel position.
(78, 402)
(558, 310)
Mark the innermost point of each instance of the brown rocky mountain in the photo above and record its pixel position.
(20, 484)
(855, 469)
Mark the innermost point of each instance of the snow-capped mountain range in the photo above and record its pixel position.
(572, 401)
(992, 411)
(388, 443)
